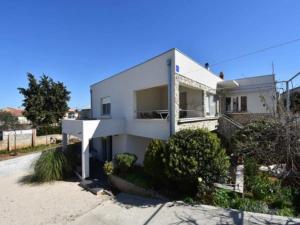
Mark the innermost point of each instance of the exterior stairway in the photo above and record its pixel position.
(228, 126)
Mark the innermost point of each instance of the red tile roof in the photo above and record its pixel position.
(14, 111)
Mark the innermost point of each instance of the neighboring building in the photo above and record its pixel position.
(250, 98)
(155, 99)
(17, 113)
(72, 114)
(85, 114)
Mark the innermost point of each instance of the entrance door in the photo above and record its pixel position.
(182, 104)
(107, 148)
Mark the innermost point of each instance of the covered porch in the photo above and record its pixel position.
(85, 130)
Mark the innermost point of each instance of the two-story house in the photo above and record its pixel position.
(157, 98)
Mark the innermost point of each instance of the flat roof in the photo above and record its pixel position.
(172, 49)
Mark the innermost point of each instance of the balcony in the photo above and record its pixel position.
(152, 103)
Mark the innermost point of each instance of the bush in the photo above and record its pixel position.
(263, 188)
(45, 130)
(153, 164)
(250, 205)
(262, 140)
(193, 154)
(221, 198)
(108, 168)
(284, 197)
(285, 212)
(250, 171)
(52, 165)
(125, 161)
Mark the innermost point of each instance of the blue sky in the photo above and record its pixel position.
(82, 42)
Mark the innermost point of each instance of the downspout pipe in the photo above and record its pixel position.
(170, 88)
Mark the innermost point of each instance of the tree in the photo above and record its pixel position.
(45, 100)
(7, 121)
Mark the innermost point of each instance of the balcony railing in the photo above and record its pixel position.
(190, 113)
(152, 114)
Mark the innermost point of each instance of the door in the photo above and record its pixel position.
(107, 148)
(182, 105)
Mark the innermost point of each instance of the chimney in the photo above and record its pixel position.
(206, 65)
(221, 75)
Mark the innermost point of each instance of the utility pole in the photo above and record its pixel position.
(288, 110)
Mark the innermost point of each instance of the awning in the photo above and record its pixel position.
(227, 84)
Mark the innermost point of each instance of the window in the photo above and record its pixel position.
(105, 106)
(244, 103)
(228, 104)
(211, 105)
(235, 103)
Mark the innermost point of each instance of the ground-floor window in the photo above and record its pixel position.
(244, 103)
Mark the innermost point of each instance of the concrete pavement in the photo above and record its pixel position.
(128, 210)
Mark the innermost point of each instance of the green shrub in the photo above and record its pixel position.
(45, 130)
(108, 168)
(263, 188)
(260, 138)
(125, 161)
(153, 164)
(250, 171)
(250, 205)
(284, 197)
(285, 212)
(52, 165)
(222, 198)
(193, 154)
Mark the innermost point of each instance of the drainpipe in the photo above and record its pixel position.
(170, 88)
(91, 100)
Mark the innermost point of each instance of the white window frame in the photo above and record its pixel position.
(106, 101)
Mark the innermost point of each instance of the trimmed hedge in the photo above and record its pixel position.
(125, 161)
(153, 163)
(187, 157)
(40, 131)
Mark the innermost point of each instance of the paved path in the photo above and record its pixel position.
(21, 163)
(128, 210)
(67, 203)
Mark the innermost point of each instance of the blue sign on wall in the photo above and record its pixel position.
(177, 68)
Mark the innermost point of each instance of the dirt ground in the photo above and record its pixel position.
(51, 203)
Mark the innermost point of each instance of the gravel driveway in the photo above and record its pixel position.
(54, 203)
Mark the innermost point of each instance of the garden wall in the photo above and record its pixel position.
(12, 140)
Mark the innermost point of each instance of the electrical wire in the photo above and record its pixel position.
(257, 51)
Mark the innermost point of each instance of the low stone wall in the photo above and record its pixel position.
(127, 187)
(245, 118)
(210, 124)
(48, 139)
(12, 141)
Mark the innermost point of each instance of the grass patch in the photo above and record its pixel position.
(28, 150)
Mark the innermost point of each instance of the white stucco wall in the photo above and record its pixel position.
(193, 70)
(132, 144)
(255, 88)
(121, 89)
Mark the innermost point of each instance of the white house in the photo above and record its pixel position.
(155, 99)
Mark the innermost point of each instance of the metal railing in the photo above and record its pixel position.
(227, 118)
(152, 114)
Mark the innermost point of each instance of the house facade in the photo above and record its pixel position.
(154, 100)
(18, 113)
